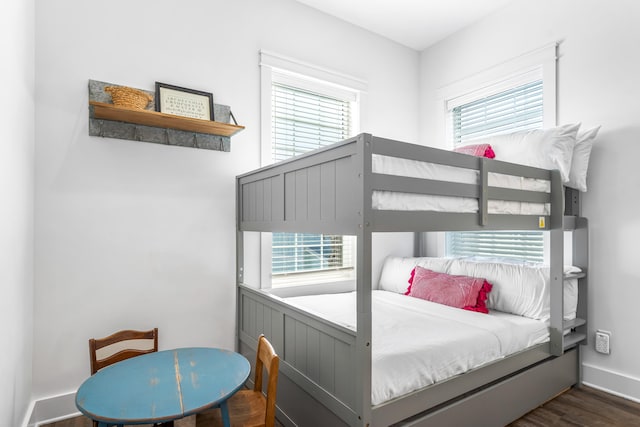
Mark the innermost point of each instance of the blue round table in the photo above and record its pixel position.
(163, 386)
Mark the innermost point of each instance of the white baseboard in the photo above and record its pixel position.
(611, 382)
(51, 409)
(28, 415)
(55, 408)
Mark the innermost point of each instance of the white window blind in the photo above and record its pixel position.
(303, 252)
(303, 120)
(523, 245)
(516, 109)
(520, 108)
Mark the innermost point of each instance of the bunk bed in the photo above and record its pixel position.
(350, 188)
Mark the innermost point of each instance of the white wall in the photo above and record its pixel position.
(16, 209)
(136, 235)
(598, 84)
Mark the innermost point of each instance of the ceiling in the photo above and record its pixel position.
(414, 23)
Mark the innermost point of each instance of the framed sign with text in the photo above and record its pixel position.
(184, 102)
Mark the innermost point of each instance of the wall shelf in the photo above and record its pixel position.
(106, 111)
(109, 121)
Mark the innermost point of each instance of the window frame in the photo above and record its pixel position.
(497, 79)
(276, 68)
(539, 64)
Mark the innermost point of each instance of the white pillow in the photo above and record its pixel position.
(396, 271)
(580, 161)
(570, 298)
(516, 289)
(541, 148)
(519, 289)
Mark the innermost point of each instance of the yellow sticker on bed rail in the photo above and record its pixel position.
(541, 222)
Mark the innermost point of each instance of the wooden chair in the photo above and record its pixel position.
(250, 408)
(120, 346)
(124, 345)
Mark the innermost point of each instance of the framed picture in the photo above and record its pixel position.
(184, 102)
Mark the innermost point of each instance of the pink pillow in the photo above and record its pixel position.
(468, 293)
(478, 150)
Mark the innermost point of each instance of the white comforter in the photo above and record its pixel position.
(417, 343)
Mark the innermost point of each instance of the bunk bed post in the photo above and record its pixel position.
(239, 262)
(572, 202)
(363, 284)
(556, 273)
(581, 259)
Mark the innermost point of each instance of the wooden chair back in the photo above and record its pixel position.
(266, 358)
(123, 345)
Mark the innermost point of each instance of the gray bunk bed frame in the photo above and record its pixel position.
(325, 369)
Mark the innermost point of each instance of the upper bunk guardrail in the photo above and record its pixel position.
(452, 221)
(312, 192)
(329, 190)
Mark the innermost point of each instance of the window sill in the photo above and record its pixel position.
(313, 289)
(311, 278)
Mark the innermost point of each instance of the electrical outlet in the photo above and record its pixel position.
(603, 342)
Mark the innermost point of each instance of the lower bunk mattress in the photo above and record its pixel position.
(416, 343)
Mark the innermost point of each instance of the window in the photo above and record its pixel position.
(524, 245)
(516, 109)
(525, 100)
(302, 120)
(303, 252)
(305, 113)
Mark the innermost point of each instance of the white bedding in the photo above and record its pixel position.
(388, 200)
(519, 288)
(416, 343)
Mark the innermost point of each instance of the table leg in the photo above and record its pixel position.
(225, 414)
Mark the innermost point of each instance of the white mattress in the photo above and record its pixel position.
(388, 200)
(416, 343)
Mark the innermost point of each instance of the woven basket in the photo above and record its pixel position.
(123, 96)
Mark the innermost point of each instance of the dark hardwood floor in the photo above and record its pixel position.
(583, 406)
(580, 406)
